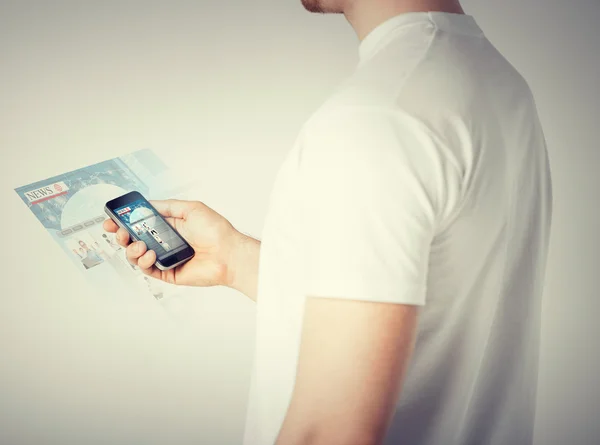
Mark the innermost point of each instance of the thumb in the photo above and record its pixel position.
(174, 208)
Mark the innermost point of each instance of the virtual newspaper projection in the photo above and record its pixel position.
(71, 208)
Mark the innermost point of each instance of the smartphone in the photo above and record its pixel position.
(135, 214)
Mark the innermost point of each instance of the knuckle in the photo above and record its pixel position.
(131, 253)
(144, 263)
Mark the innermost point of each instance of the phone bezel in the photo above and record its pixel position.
(170, 261)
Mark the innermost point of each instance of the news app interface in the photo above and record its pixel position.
(158, 235)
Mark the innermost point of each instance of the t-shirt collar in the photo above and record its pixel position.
(377, 38)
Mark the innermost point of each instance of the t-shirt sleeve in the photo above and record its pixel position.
(376, 187)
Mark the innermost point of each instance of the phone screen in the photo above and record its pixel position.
(141, 218)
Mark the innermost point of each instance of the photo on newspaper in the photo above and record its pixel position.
(70, 206)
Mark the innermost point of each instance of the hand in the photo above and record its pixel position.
(210, 234)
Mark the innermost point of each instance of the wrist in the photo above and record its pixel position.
(242, 267)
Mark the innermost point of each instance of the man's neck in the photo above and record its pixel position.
(366, 15)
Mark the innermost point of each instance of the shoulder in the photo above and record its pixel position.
(367, 129)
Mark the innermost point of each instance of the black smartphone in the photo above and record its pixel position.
(135, 214)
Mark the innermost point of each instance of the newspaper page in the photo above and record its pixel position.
(70, 206)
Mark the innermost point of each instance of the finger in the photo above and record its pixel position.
(147, 267)
(123, 237)
(135, 251)
(147, 260)
(174, 208)
(153, 272)
(110, 226)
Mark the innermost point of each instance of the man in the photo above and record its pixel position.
(403, 254)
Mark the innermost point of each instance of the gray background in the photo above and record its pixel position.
(221, 88)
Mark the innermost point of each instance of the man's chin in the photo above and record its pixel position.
(312, 6)
(318, 7)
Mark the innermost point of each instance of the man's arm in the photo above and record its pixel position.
(353, 357)
(224, 256)
(243, 265)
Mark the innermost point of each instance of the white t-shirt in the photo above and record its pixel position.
(424, 180)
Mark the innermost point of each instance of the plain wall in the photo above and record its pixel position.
(220, 89)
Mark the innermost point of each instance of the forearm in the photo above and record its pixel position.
(340, 435)
(244, 265)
